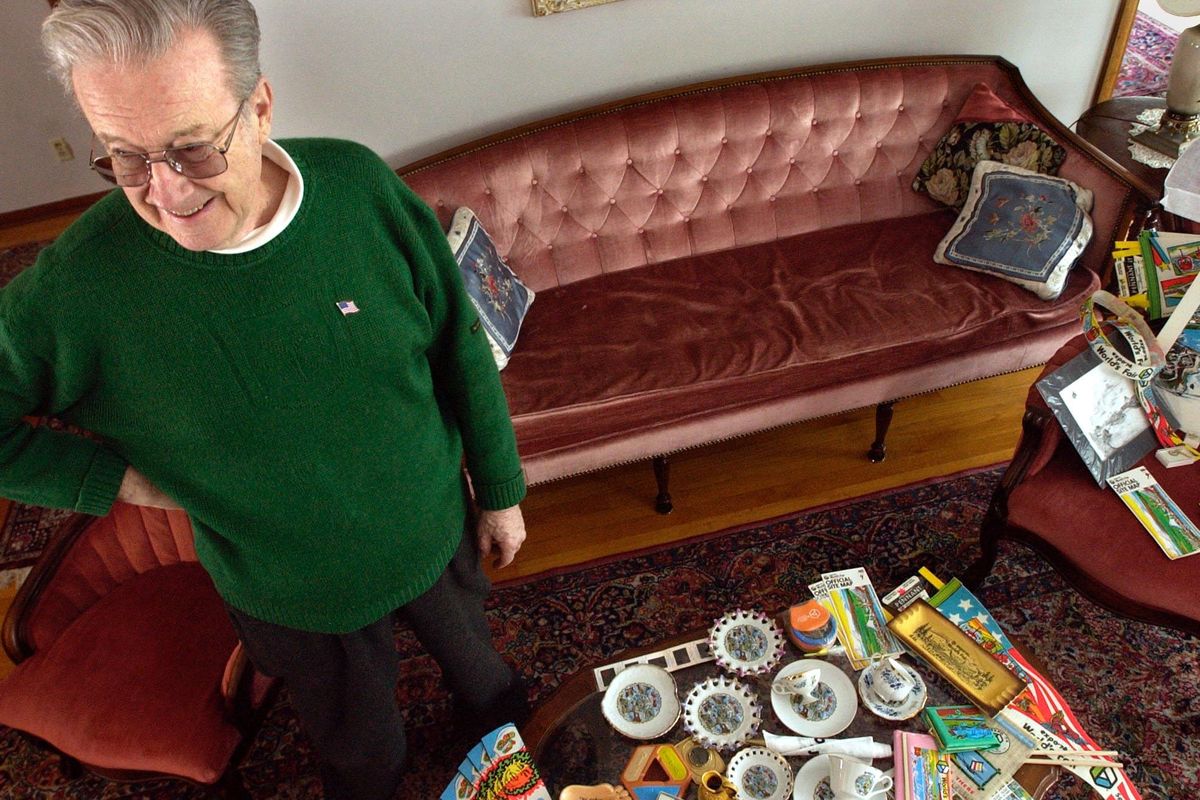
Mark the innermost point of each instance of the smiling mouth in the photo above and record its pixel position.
(184, 214)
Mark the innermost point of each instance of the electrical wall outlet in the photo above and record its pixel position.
(62, 149)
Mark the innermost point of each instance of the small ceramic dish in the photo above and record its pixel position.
(760, 774)
(720, 713)
(828, 715)
(641, 702)
(812, 781)
(746, 642)
(906, 708)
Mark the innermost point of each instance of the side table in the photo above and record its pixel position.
(1106, 126)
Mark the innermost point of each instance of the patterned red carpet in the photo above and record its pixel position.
(1134, 687)
(1147, 60)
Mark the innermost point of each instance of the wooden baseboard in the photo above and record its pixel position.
(70, 206)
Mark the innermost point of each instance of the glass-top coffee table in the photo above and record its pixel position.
(572, 743)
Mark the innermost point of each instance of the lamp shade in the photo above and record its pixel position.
(1181, 8)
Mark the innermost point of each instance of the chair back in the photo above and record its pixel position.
(86, 558)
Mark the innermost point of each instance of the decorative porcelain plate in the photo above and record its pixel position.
(828, 715)
(904, 709)
(760, 774)
(721, 713)
(812, 781)
(641, 702)
(746, 642)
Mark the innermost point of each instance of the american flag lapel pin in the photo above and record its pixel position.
(347, 307)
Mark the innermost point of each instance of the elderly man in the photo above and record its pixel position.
(274, 337)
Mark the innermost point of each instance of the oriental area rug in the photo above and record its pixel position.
(1147, 60)
(1134, 687)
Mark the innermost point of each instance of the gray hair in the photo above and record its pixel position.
(139, 31)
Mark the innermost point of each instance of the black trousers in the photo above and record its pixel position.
(343, 686)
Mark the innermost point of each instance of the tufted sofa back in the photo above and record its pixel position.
(721, 165)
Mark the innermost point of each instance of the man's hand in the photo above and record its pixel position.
(137, 489)
(506, 528)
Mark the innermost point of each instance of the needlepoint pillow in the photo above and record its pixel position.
(1021, 226)
(496, 292)
(986, 128)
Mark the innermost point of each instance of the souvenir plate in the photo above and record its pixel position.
(746, 642)
(832, 711)
(812, 781)
(641, 702)
(760, 774)
(721, 713)
(904, 709)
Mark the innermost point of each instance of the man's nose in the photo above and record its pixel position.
(166, 184)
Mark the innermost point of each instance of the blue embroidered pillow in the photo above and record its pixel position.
(1021, 226)
(495, 291)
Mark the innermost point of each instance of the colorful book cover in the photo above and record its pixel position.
(959, 728)
(498, 768)
(862, 626)
(1171, 528)
(921, 771)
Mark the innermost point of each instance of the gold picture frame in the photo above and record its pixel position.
(543, 7)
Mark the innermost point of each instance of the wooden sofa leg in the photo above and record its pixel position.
(883, 418)
(662, 475)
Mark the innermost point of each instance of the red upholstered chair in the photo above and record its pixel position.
(1048, 501)
(126, 661)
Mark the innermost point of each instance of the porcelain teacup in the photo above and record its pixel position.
(802, 684)
(890, 681)
(851, 779)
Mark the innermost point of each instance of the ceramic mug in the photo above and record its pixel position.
(891, 681)
(852, 779)
(715, 786)
(803, 684)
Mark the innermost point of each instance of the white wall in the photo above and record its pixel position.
(412, 77)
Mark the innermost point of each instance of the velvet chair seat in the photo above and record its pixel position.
(1048, 501)
(160, 711)
(126, 660)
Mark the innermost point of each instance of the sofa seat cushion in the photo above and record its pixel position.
(133, 683)
(635, 349)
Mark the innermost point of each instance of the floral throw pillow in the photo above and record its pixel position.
(496, 292)
(986, 129)
(1021, 226)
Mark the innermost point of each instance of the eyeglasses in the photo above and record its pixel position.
(199, 160)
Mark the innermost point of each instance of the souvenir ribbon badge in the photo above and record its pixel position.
(1146, 358)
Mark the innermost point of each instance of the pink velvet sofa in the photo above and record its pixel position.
(733, 256)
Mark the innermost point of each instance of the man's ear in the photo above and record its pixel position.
(262, 104)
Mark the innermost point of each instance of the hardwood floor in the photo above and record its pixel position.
(769, 474)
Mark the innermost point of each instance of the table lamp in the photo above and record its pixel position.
(1180, 121)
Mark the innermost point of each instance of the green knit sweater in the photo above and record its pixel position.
(318, 453)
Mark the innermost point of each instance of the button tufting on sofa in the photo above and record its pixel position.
(804, 301)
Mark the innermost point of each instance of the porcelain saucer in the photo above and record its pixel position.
(746, 642)
(721, 713)
(828, 715)
(641, 702)
(907, 708)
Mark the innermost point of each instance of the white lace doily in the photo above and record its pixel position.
(1146, 155)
